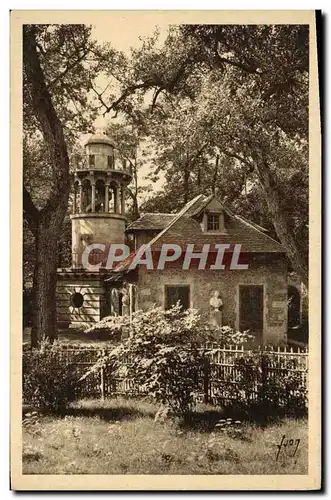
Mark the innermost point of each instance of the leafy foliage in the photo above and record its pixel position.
(163, 353)
(133, 149)
(263, 388)
(50, 381)
(108, 328)
(216, 93)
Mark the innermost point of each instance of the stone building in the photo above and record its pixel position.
(253, 296)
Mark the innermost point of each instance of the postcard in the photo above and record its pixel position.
(166, 215)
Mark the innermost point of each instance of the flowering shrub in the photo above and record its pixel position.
(109, 328)
(163, 353)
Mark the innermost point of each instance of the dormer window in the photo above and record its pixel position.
(213, 222)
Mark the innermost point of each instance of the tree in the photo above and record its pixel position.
(57, 79)
(256, 107)
(133, 150)
(187, 155)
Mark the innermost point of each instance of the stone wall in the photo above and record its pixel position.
(101, 151)
(270, 272)
(95, 228)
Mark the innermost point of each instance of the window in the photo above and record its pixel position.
(91, 160)
(77, 300)
(175, 293)
(110, 161)
(213, 222)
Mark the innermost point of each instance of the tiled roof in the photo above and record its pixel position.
(189, 206)
(182, 229)
(187, 230)
(151, 221)
(200, 203)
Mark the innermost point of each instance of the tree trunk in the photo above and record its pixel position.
(46, 224)
(278, 217)
(44, 323)
(215, 175)
(279, 221)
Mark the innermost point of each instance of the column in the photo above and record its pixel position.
(116, 200)
(93, 194)
(80, 188)
(106, 197)
(123, 199)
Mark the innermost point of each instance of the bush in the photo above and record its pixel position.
(49, 380)
(109, 328)
(262, 387)
(163, 354)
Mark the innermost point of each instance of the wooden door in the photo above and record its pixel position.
(251, 309)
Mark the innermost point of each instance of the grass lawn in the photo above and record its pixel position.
(119, 436)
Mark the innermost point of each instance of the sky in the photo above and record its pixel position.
(123, 35)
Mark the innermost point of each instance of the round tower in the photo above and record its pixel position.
(99, 182)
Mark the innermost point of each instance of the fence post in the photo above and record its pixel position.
(206, 381)
(102, 379)
(264, 374)
(102, 383)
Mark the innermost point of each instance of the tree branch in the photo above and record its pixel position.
(237, 157)
(156, 95)
(130, 90)
(68, 68)
(157, 83)
(248, 69)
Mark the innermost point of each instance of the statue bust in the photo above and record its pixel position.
(216, 305)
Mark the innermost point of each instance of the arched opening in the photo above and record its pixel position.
(100, 196)
(86, 196)
(108, 198)
(294, 306)
(112, 197)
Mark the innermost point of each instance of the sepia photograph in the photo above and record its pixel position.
(167, 316)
